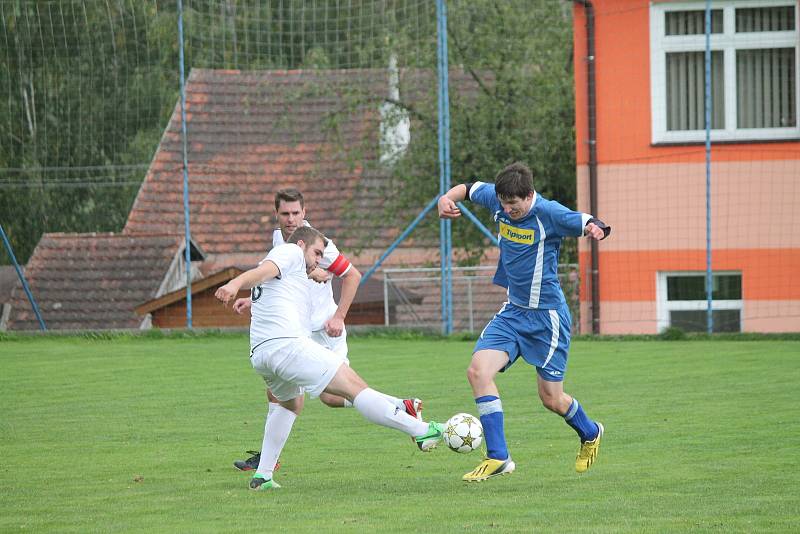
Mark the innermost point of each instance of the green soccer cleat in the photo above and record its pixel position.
(588, 452)
(429, 440)
(259, 483)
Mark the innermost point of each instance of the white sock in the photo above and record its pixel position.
(375, 407)
(271, 409)
(276, 432)
(394, 400)
(271, 406)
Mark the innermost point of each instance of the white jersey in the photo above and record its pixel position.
(280, 306)
(321, 295)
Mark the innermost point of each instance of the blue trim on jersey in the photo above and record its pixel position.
(529, 248)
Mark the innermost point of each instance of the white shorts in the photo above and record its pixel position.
(336, 344)
(292, 366)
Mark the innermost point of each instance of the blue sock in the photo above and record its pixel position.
(580, 422)
(490, 411)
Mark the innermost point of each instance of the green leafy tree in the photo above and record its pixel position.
(514, 104)
(87, 92)
(90, 86)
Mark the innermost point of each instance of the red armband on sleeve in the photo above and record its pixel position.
(340, 265)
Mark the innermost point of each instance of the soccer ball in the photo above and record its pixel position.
(463, 433)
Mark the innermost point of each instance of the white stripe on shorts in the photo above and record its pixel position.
(503, 307)
(555, 324)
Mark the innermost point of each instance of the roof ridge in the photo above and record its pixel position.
(111, 234)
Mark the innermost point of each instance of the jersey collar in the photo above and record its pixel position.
(533, 203)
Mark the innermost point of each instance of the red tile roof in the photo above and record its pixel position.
(92, 281)
(251, 133)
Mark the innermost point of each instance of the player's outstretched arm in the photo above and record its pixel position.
(447, 202)
(246, 280)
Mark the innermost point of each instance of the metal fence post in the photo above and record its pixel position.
(469, 305)
(385, 299)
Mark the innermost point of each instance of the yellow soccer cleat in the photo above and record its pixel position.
(588, 452)
(488, 468)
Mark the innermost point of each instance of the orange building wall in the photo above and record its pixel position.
(622, 50)
(654, 196)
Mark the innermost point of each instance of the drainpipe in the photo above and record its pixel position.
(592, 109)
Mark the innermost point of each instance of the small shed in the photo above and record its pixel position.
(169, 310)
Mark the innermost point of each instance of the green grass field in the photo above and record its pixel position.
(137, 434)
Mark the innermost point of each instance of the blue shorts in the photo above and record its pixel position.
(541, 337)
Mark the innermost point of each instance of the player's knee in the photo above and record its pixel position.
(550, 401)
(294, 405)
(556, 402)
(477, 375)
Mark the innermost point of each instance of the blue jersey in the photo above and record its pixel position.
(529, 247)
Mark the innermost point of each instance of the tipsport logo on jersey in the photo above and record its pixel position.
(515, 234)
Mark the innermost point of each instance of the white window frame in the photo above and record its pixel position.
(727, 42)
(664, 306)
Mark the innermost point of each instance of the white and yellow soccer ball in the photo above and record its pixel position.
(463, 433)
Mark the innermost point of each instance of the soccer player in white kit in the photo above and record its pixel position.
(290, 363)
(327, 317)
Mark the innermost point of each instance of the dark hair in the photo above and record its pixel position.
(288, 194)
(516, 180)
(307, 235)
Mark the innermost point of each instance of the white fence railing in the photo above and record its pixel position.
(412, 297)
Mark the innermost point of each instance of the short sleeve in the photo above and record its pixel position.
(567, 223)
(288, 257)
(277, 238)
(484, 195)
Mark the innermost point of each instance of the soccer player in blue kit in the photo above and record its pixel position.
(534, 323)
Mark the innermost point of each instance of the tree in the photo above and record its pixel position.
(91, 85)
(88, 90)
(516, 105)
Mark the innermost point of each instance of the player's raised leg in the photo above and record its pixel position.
(482, 370)
(375, 407)
(338, 344)
(589, 431)
(412, 406)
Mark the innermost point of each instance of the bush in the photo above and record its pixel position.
(673, 333)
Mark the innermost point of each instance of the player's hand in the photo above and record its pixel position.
(227, 292)
(242, 305)
(320, 275)
(594, 231)
(447, 208)
(334, 326)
